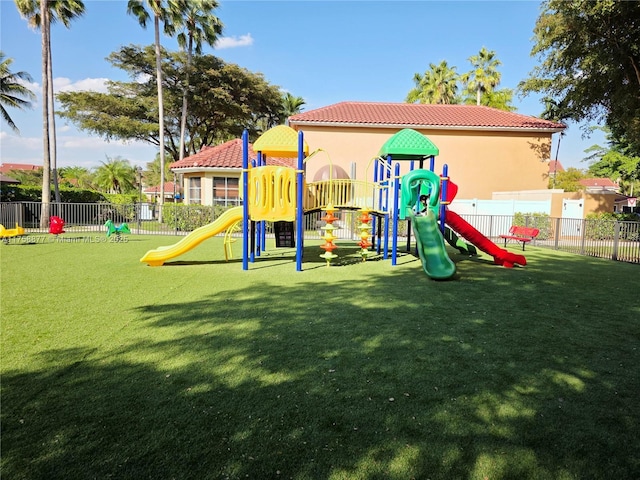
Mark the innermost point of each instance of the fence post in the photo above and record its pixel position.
(556, 234)
(616, 240)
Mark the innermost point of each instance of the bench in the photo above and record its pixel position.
(520, 234)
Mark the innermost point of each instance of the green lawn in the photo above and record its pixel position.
(200, 370)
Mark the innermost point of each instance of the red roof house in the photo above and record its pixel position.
(487, 150)
(223, 156)
(7, 167)
(213, 174)
(382, 115)
(599, 185)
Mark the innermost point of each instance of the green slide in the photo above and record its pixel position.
(435, 261)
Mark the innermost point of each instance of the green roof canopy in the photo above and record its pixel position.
(408, 144)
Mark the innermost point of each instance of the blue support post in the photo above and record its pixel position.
(245, 198)
(262, 227)
(300, 206)
(443, 196)
(396, 191)
(252, 224)
(374, 226)
(432, 163)
(386, 207)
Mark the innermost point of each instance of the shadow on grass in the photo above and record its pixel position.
(507, 373)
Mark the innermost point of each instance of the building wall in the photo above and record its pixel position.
(480, 162)
(206, 183)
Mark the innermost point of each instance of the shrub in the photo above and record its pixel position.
(189, 217)
(602, 226)
(32, 193)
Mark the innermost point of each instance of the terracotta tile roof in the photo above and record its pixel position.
(412, 115)
(225, 155)
(598, 182)
(555, 166)
(168, 188)
(7, 167)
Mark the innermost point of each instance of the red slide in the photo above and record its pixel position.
(500, 255)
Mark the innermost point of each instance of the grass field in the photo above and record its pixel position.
(199, 370)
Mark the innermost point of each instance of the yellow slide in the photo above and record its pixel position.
(157, 257)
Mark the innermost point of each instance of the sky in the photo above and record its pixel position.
(323, 51)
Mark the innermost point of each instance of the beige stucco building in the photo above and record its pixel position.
(486, 149)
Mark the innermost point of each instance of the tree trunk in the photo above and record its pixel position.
(46, 159)
(160, 112)
(52, 126)
(183, 120)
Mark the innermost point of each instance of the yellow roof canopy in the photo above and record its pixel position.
(280, 141)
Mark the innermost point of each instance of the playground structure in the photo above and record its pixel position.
(7, 233)
(117, 230)
(56, 225)
(281, 195)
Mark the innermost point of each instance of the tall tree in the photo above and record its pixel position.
(152, 172)
(484, 76)
(612, 162)
(13, 93)
(41, 14)
(290, 106)
(590, 63)
(161, 13)
(228, 99)
(116, 175)
(79, 177)
(568, 180)
(199, 25)
(500, 99)
(439, 85)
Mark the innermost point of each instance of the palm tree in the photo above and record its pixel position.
(40, 14)
(152, 173)
(437, 85)
(290, 106)
(12, 92)
(161, 13)
(79, 177)
(198, 25)
(116, 175)
(484, 77)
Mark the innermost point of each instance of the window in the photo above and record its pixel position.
(226, 191)
(195, 190)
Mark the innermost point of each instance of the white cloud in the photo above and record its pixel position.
(73, 150)
(16, 141)
(233, 42)
(35, 87)
(63, 84)
(143, 78)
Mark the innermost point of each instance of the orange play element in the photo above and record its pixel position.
(329, 247)
(329, 217)
(365, 234)
(328, 237)
(365, 217)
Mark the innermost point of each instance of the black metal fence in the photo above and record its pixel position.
(617, 240)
